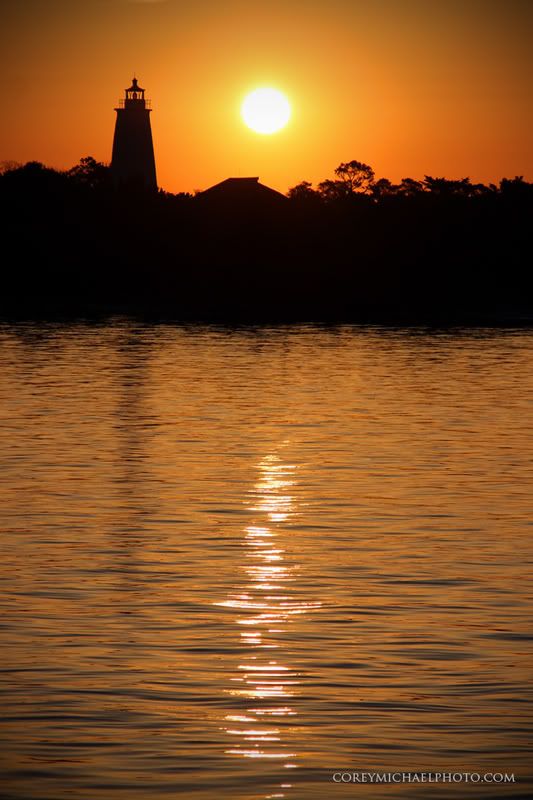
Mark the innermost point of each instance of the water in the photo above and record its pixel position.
(237, 561)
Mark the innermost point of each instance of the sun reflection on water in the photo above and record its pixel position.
(265, 683)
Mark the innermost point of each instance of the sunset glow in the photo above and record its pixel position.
(411, 88)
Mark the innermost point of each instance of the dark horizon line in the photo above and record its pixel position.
(9, 165)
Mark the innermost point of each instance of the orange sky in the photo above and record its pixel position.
(411, 87)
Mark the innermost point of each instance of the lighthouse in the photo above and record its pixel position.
(132, 162)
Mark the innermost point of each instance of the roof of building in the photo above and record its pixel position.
(243, 190)
(134, 86)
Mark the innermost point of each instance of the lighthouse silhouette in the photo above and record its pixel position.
(132, 161)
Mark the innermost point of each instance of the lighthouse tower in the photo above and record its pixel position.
(132, 162)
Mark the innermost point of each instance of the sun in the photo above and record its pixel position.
(265, 110)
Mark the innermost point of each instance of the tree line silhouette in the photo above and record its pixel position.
(353, 248)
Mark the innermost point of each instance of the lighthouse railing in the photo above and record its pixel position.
(130, 102)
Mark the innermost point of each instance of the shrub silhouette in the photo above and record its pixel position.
(354, 247)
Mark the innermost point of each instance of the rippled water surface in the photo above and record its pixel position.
(237, 561)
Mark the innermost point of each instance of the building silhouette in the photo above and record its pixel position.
(242, 194)
(132, 161)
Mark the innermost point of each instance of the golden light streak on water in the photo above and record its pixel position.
(270, 680)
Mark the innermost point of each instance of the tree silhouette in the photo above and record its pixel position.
(409, 187)
(332, 191)
(353, 177)
(445, 187)
(9, 166)
(303, 192)
(90, 173)
(356, 176)
(516, 188)
(383, 188)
